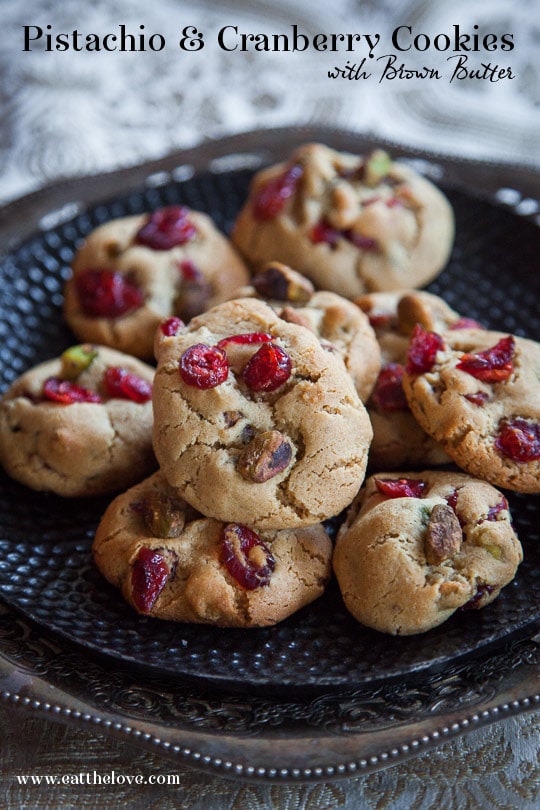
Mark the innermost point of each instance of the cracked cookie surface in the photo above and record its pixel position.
(417, 547)
(70, 446)
(336, 321)
(283, 457)
(123, 284)
(169, 562)
(352, 224)
(478, 395)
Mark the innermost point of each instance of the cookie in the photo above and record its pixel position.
(351, 224)
(133, 272)
(336, 321)
(172, 563)
(254, 421)
(398, 440)
(478, 394)
(415, 549)
(79, 425)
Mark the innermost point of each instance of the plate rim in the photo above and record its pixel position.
(478, 177)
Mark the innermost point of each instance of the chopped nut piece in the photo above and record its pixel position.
(266, 455)
(279, 281)
(377, 166)
(412, 310)
(77, 359)
(163, 514)
(444, 535)
(232, 417)
(292, 315)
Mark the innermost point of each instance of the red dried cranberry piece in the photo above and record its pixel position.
(388, 394)
(189, 271)
(479, 398)
(519, 440)
(148, 578)
(322, 232)
(237, 555)
(482, 590)
(400, 487)
(451, 500)
(423, 349)
(172, 326)
(491, 365)
(66, 392)
(360, 241)
(269, 368)
(203, 366)
(270, 200)
(467, 323)
(121, 384)
(248, 337)
(107, 294)
(382, 320)
(493, 511)
(167, 228)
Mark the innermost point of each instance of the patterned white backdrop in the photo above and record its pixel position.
(72, 113)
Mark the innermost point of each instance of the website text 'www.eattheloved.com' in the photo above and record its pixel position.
(95, 778)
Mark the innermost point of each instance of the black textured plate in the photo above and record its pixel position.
(46, 571)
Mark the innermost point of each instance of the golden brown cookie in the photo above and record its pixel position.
(172, 563)
(336, 321)
(351, 224)
(79, 425)
(398, 440)
(478, 394)
(133, 272)
(417, 547)
(255, 422)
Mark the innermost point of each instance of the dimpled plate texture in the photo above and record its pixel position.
(46, 570)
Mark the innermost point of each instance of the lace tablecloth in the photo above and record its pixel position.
(71, 113)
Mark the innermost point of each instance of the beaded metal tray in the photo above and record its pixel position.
(321, 654)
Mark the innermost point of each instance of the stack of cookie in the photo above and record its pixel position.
(274, 391)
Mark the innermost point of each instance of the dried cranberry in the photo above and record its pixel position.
(148, 578)
(66, 392)
(189, 270)
(172, 326)
(167, 228)
(247, 338)
(482, 590)
(246, 557)
(400, 487)
(491, 365)
(360, 241)
(269, 368)
(451, 500)
(270, 200)
(493, 511)
(107, 294)
(388, 394)
(382, 320)
(519, 440)
(322, 232)
(121, 384)
(467, 323)
(478, 398)
(203, 366)
(423, 350)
